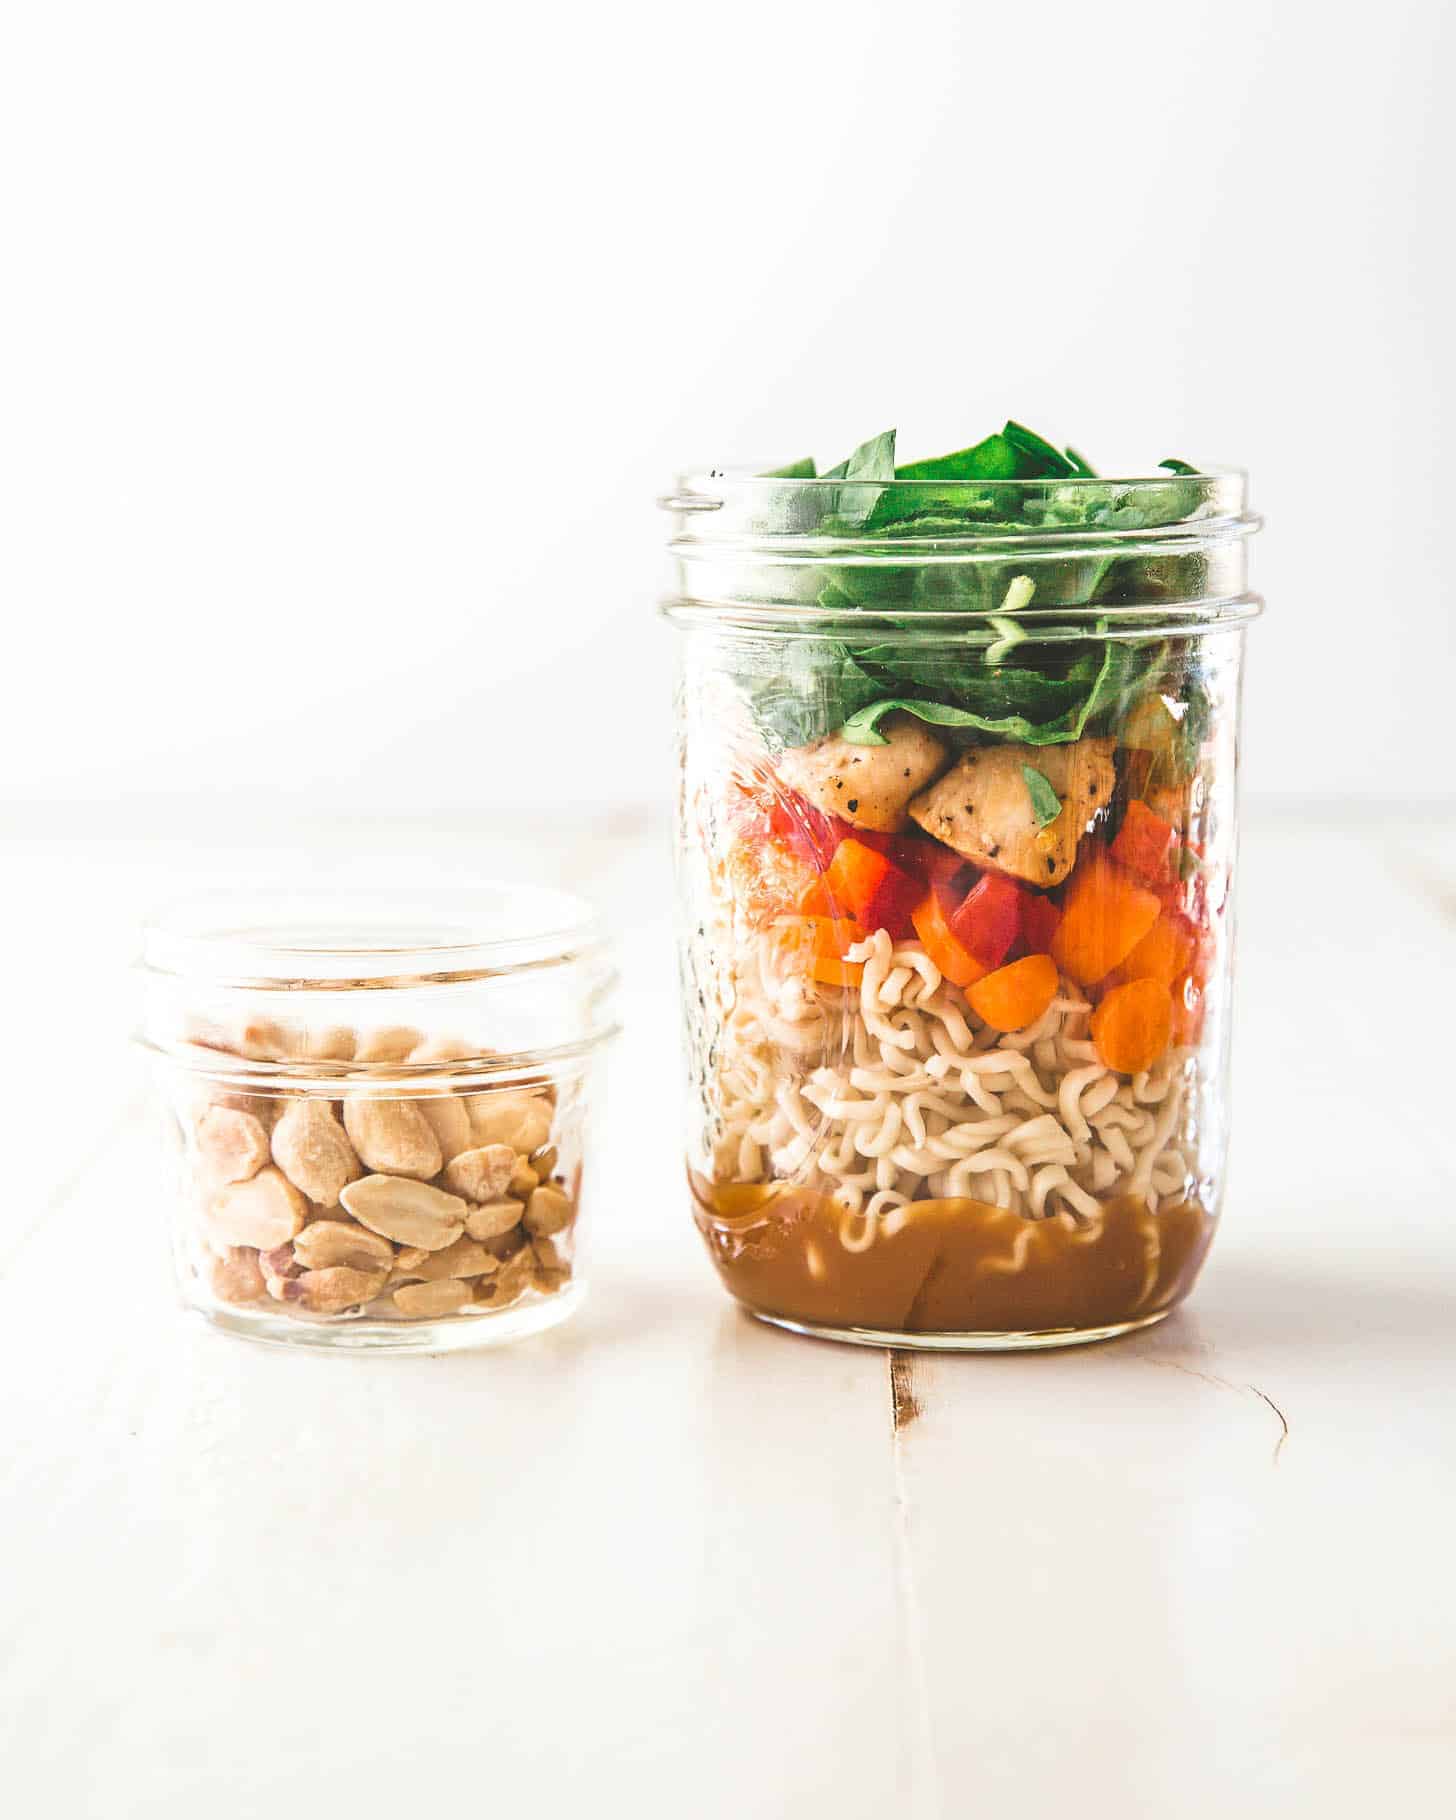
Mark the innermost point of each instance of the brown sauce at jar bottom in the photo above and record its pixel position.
(955, 1266)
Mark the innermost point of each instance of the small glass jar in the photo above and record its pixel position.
(956, 850)
(377, 1110)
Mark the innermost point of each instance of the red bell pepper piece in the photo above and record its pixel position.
(1039, 919)
(1146, 845)
(809, 831)
(988, 920)
(862, 883)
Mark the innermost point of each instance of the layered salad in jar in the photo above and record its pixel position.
(960, 904)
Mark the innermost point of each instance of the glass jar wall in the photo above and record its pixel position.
(956, 849)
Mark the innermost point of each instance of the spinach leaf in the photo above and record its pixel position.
(872, 460)
(1113, 673)
(1046, 805)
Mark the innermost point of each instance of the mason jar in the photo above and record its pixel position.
(376, 1110)
(956, 845)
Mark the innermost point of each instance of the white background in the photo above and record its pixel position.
(345, 348)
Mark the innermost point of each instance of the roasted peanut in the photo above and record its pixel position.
(264, 1211)
(510, 1282)
(409, 1212)
(393, 1137)
(547, 1211)
(524, 1181)
(506, 1244)
(493, 1218)
(522, 1120)
(231, 1146)
(328, 1243)
(312, 1149)
(450, 1122)
(332, 1291)
(265, 1039)
(408, 1259)
(279, 1267)
(481, 1175)
(235, 1276)
(393, 1044)
(544, 1163)
(433, 1298)
(465, 1258)
(334, 1043)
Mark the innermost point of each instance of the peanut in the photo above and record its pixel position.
(433, 1298)
(328, 1243)
(265, 1211)
(332, 1291)
(522, 1120)
(481, 1175)
(393, 1044)
(493, 1218)
(312, 1149)
(235, 1276)
(334, 1043)
(409, 1212)
(393, 1137)
(465, 1258)
(524, 1181)
(507, 1244)
(449, 1121)
(279, 1268)
(264, 1039)
(231, 1146)
(547, 1211)
(544, 1162)
(408, 1259)
(510, 1282)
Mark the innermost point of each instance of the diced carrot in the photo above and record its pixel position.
(814, 900)
(1015, 996)
(1132, 1025)
(818, 944)
(1189, 1002)
(1104, 916)
(1163, 953)
(1145, 844)
(954, 960)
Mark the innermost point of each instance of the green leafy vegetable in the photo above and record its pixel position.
(872, 460)
(1046, 805)
(862, 727)
(1002, 679)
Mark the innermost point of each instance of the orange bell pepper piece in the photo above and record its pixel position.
(1145, 844)
(1015, 996)
(1104, 916)
(1163, 953)
(1132, 1025)
(818, 945)
(952, 957)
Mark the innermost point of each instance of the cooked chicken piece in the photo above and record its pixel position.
(868, 786)
(982, 807)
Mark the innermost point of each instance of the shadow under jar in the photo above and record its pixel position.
(956, 842)
(377, 1110)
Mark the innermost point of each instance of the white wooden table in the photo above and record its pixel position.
(665, 1561)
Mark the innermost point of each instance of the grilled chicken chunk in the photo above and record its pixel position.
(982, 807)
(868, 786)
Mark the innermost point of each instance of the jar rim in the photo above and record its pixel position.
(338, 939)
